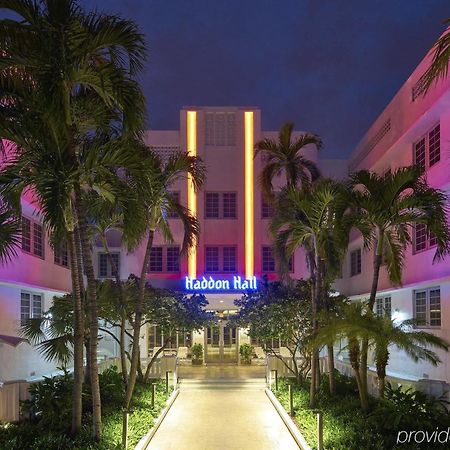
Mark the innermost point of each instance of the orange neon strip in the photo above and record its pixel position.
(192, 196)
(249, 197)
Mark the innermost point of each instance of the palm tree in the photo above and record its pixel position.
(157, 203)
(96, 57)
(356, 322)
(441, 58)
(9, 231)
(285, 156)
(386, 208)
(307, 218)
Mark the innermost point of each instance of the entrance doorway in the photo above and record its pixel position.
(221, 343)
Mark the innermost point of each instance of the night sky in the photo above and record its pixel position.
(330, 66)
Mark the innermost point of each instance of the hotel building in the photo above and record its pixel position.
(234, 243)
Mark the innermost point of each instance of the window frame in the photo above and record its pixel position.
(221, 259)
(109, 273)
(426, 165)
(32, 226)
(357, 251)
(164, 260)
(59, 253)
(31, 307)
(383, 311)
(428, 310)
(220, 209)
(429, 245)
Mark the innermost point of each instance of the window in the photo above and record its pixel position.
(268, 261)
(229, 259)
(156, 260)
(220, 129)
(267, 210)
(383, 306)
(212, 205)
(176, 198)
(422, 239)
(26, 234)
(220, 205)
(355, 262)
(30, 306)
(220, 259)
(165, 259)
(104, 265)
(212, 259)
(33, 237)
(427, 151)
(427, 306)
(173, 259)
(61, 256)
(229, 205)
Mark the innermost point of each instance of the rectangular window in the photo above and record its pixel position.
(176, 197)
(355, 262)
(383, 307)
(173, 259)
(434, 146)
(220, 205)
(268, 261)
(229, 205)
(427, 150)
(229, 259)
(267, 210)
(427, 307)
(156, 260)
(33, 240)
(104, 265)
(61, 256)
(212, 205)
(38, 240)
(26, 234)
(212, 259)
(30, 306)
(422, 239)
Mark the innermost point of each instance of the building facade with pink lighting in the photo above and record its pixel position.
(412, 129)
(235, 245)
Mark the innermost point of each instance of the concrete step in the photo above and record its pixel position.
(222, 384)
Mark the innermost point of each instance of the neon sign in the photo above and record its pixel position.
(237, 283)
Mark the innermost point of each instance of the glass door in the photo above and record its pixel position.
(221, 343)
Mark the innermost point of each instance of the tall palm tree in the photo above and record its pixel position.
(9, 231)
(441, 59)
(284, 156)
(387, 207)
(96, 57)
(308, 219)
(157, 203)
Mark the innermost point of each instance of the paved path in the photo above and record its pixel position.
(222, 408)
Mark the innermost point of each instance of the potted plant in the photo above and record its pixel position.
(246, 352)
(197, 354)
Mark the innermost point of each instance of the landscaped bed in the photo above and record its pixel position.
(49, 430)
(346, 427)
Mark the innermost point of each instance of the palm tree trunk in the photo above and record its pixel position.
(354, 355)
(331, 373)
(382, 359)
(137, 321)
(93, 316)
(120, 306)
(78, 345)
(373, 294)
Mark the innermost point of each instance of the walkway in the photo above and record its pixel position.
(222, 408)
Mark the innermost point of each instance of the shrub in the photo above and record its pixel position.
(197, 352)
(112, 387)
(246, 352)
(51, 402)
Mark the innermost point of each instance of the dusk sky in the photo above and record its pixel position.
(330, 66)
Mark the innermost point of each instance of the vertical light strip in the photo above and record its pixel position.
(249, 196)
(192, 196)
